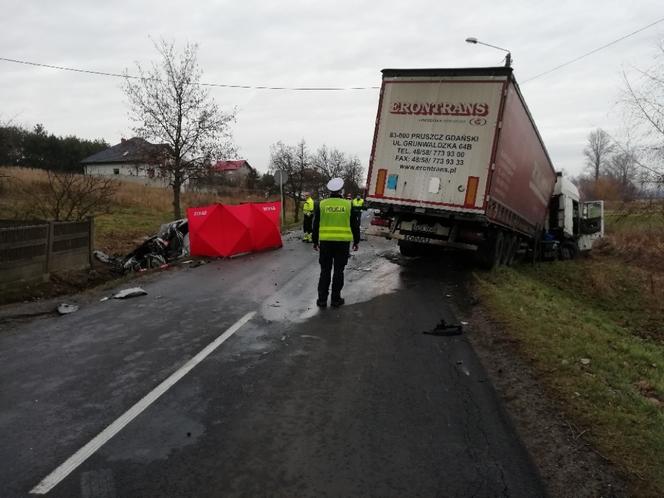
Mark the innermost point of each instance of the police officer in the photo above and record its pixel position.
(308, 217)
(334, 229)
(358, 202)
(358, 206)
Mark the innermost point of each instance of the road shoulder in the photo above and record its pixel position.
(568, 465)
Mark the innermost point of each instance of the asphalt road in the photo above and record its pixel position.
(354, 401)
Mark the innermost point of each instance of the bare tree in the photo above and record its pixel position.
(623, 169)
(310, 172)
(353, 174)
(643, 99)
(598, 151)
(70, 196)
(334, 163)
(329, 163)
(169, 106)
(294, 161)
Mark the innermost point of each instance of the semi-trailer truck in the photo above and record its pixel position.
(457, 161)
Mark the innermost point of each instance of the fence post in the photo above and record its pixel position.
(49, 246)
(91, 240)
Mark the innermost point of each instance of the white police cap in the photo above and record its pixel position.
(335, 184)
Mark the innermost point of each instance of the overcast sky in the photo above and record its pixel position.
(306, 43)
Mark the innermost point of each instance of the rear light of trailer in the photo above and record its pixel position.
(381, 178)
(471, 191)
(381, 222)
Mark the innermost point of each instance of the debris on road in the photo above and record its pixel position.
(127, 293)
(66, 309)
(103, 257)
(445, 329)
(170, 244)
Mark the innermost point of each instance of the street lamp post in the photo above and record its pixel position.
(508, 57)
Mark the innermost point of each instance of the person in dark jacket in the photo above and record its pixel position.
(335, 227)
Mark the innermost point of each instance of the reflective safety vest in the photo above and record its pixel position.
(308, 206)
(358, 203)
(335, 220)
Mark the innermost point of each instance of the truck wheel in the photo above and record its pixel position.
(507, 245)
(490, 253)
(568, 250)
(510, 249)
(499, 248)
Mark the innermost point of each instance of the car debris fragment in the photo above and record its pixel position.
(131, 292)
(66, 309)
(445, 329)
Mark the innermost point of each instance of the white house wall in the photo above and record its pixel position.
(126, 172)
(122, 170)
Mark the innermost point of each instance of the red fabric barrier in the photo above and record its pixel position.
(225, 230)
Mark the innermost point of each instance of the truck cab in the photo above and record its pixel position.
(572, 226)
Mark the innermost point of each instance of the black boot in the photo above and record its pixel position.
(337, 301)
(321, 303)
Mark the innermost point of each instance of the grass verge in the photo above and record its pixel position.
(135, 212)
(594, 331)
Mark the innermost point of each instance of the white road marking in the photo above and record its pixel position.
(52, 480)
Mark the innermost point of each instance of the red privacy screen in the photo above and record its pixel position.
(224, 230)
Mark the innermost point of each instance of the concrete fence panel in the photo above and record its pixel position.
(30, 251)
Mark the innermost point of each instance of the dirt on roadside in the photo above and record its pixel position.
(569, 466)
(59, 284)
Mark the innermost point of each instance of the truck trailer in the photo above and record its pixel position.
(457, 161)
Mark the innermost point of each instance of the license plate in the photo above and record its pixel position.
(415, 238)
(424, 228)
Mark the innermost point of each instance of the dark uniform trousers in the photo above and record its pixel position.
(356, 213)
(335, 255)
(308, 223)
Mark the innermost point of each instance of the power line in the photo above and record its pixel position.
(218, 85)
(314, 88)
(261, 87)
(594, 51)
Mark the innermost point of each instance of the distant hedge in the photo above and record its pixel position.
(37, 148)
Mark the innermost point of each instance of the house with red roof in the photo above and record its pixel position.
(233, 172)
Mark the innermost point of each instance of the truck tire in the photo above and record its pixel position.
(568, 250)
(507, 245)
(490, 252)
(510, 249)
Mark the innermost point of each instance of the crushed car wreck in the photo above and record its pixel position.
(170, 244)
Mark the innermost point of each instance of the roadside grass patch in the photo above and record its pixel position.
(635, 232)
(122, 230)
(136, 212)
(594, 331)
